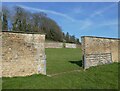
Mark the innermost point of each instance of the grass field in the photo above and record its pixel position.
(62, 60)
(66, 60)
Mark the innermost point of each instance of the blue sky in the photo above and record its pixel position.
(78, 18)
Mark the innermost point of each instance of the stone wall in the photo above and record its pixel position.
(61, 45)
(69, 45)
(23, 54)
(96, 49)
(54, 45)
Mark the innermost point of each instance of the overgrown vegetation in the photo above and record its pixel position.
(19, 19)
(62, 60)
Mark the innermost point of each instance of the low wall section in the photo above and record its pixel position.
(61, 45)
(99, 50)
(69, 45)
(54, 45)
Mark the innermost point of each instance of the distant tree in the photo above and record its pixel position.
(77, 41)
(67, 37)
(4, 23)
(73, 39)
(36, 18)
(64, 40)
(29, 22)
(24, 25)
(17, 21)
(20, 19)
(52, 30)
(70, 39)
(5, 18)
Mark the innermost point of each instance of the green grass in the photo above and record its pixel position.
(62, 60)
(100, 77)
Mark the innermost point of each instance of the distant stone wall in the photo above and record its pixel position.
(54, 45)
(98, 50)
(61, 45)
(23, 54)
(69, 45)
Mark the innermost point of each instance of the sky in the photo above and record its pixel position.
(78, 18)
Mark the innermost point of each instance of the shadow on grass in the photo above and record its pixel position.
(78, 63)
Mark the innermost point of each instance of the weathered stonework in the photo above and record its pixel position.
(61, 45)
(69, 45)
(97, 59)
(98, 50)
(54, 45)
(23, 54)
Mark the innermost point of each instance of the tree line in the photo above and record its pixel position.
(22, 20)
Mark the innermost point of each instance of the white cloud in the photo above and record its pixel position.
(109, 23)
(90, 25)
(100, 12)
(88, 22)
(48, 11)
